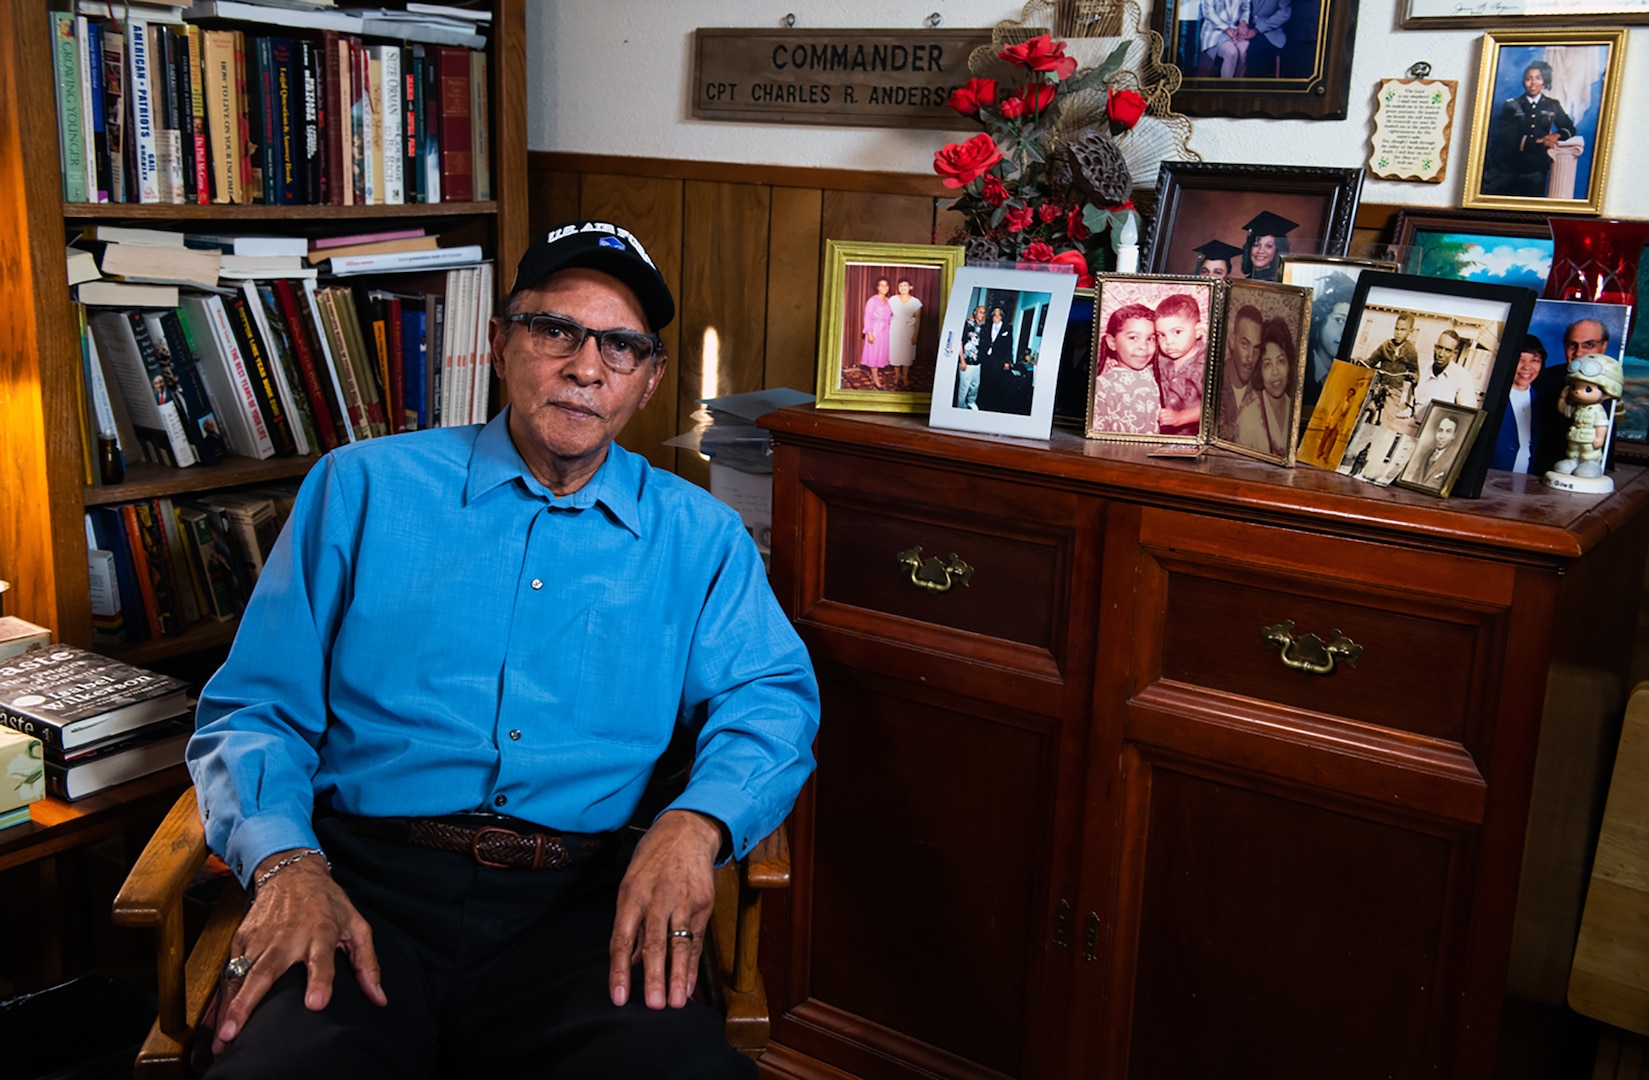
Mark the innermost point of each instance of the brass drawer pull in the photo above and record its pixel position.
(1308, 652)
(933, 574)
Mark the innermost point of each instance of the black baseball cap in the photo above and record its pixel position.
(599, 245)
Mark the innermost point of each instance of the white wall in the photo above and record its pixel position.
(611, 77)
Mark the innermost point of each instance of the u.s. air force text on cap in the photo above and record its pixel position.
(859, 78)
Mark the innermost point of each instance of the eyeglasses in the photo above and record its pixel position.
(1589, 366)
(559, 338)
(1590, 345)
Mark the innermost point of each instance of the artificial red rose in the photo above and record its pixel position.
(1125, 204)
(1037, 97)
(1013, 108)
(1038, 252)
(1041, 53)
(1124, 107)
(959, 164)
(1018, 218)
(1075, 227)
(995, 193)
(973, 95)
(1048, 213)
(1084, 280)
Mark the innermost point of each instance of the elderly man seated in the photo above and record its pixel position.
(459, 668)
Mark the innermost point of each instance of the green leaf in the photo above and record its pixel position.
(1000, 213)
(1096, 219)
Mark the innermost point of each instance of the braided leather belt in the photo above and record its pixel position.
(490, 844)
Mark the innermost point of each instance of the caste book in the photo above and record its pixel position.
(68, 697)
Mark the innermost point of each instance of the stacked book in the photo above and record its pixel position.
(156, 107)
(159, 566)
(270, 361)
(99, 722)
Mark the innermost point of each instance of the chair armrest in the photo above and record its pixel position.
(767, 866)
(168, 862)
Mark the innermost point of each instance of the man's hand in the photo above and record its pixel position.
(300, 916)
(669, 886)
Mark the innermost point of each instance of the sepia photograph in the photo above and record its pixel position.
(879, 324)
(1150, 358)
(1256, 408)
(1440, 448)
(1328, 432)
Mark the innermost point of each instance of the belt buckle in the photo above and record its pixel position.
(475, 845)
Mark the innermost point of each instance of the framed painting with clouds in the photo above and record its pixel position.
(1488, 247)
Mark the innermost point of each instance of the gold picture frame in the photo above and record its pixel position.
(1505, 169)
(856, 372)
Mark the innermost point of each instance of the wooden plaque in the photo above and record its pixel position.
(853, 78)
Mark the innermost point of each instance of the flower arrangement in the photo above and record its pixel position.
(1045, 181)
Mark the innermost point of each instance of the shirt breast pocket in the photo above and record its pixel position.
(629, 688)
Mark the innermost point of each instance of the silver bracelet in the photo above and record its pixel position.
(264, 877)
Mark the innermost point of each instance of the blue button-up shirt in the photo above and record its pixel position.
(436, 632)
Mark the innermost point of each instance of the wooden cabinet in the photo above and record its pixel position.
(1078, 814)
(42, 535)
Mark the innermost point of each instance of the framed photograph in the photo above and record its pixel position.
(1531, 435)
(1442, 14)
(1255, 406)
(1076, 361)
(879, 319)
(1544, 123)
(1332, 281)
(1000, 350)
(1426, 340)
(1323, 443)
(1495, 247)
(1267, 58)
(1150, 358)
(1265, 212)
(1441, 447)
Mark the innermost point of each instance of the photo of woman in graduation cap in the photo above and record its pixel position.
(1214, 258)
(1267, 242)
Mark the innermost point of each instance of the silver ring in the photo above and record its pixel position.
(688, 934)
(238, 967)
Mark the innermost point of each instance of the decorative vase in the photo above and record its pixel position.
(1596, 261)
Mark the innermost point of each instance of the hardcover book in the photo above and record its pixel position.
(147, 751)
(68, 697)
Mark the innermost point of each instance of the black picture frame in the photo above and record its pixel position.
(1307, 76)
(1444, 297)
(1198, 201)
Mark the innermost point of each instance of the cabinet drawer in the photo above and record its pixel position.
(972, 572)
(1428, 630)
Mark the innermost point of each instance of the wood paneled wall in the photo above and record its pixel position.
(742, 247)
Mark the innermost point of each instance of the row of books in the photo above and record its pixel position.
(285, 367)
(157, 112)
(159, 566)
(96, 721)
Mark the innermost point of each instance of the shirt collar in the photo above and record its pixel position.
(616, 485)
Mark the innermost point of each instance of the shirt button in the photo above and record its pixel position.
(537, 584)
(206, 814)
(500, 800)
(237, 868)
(515, 735)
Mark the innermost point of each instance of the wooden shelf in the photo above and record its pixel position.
(261, 212)
(198, 638)
(146, 481)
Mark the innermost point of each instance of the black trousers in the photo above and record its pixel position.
(489, 972)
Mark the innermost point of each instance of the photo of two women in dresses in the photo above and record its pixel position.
(890, 327)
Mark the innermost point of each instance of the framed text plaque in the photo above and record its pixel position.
(852, 78)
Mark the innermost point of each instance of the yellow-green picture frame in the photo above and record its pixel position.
(877, 350)
(1507, 167)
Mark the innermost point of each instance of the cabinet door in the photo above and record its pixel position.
(935, 842)
(1302, 852)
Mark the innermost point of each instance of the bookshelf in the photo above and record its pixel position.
(43, 496)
